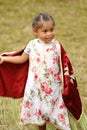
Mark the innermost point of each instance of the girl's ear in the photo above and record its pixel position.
(35, 32)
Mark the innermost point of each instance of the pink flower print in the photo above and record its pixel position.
(50, 70)
(55, 59)
(57, 76)
(39, 113)
(45, 87)
(21, 120)
(48, 90)
(27, 104)
(55, 101)
(61, 117)
(54, 47)
(33, 70)
(38, 60)
(28, 114)
(38, 53)
(42, 87)
(47, 49)
(52, 110)
(62, 106)
(35, 76)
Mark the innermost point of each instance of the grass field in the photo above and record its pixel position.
(15, 32)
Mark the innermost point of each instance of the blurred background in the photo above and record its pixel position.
(16, 31)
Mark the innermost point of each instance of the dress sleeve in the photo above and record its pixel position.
(27, 49)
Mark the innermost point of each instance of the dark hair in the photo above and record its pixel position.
(39, 19)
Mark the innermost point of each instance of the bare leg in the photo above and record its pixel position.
(42, 127)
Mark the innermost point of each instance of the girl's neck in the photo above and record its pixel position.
(45, 42)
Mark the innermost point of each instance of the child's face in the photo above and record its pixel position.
(47, 32)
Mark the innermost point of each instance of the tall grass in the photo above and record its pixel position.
(15, 32)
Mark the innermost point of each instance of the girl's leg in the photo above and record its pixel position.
(42, 127)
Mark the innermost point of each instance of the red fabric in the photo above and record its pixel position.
(13, 79)
(70, 93)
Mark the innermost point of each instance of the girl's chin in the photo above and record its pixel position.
(48, 40)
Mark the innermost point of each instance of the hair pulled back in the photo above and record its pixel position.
(39, 19)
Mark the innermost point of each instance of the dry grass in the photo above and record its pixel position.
(15, 32)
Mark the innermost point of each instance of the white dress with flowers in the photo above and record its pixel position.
(42, 98)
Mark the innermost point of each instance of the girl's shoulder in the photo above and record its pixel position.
(33, 41)
(56, 42)
(30, 45)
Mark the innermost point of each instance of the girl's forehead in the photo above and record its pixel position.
(47, 24)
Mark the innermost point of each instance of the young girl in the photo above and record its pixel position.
(43, 99)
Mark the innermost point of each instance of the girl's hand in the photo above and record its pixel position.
(14, 59)
(1, 59)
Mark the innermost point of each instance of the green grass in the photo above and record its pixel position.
(16, 31)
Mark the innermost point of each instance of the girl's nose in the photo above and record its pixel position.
(49, 33)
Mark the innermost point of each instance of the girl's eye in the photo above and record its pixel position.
(51, 29)
(45, 31)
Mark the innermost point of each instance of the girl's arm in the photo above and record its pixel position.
(15, 59)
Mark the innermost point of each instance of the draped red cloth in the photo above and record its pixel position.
(70, 92)
(13, 79)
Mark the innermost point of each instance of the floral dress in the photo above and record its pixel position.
(42, 100)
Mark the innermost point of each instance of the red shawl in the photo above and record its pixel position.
(13, 79)
(70, 92)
